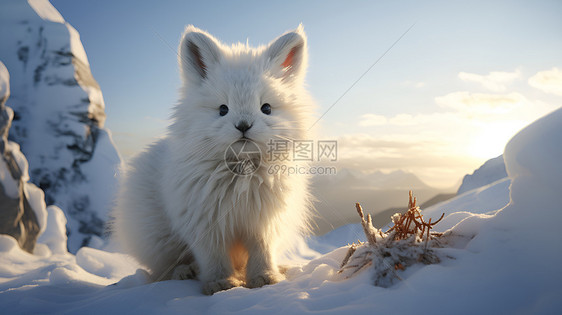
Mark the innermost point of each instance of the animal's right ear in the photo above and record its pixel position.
(198, 53)
(287, 56)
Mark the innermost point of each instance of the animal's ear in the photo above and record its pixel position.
(198, 53)
(287, 56)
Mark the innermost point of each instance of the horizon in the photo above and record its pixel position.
(446, 98)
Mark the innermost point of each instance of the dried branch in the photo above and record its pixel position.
(368, 227)
(403, 222)
(352, 249)
(398, 248)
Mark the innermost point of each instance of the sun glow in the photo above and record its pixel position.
(490, 140)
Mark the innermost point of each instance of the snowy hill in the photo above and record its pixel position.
(507, 262)
(491, 171)
(58, 115)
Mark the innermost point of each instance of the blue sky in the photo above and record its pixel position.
(431, 106)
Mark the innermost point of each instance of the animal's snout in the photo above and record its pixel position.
(243, 126)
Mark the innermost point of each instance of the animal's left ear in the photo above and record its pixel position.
(287, 56)
(198, 53)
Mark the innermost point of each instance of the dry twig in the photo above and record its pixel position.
(402, 222)
(368, 228)
(397, 249)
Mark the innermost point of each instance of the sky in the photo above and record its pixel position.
(446, 97)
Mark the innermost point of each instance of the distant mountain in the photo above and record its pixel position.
(377, 180)
(344, 177)
(58, 115)
(491, 171)
(377, 192)
(397, 179)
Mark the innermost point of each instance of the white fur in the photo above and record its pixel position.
(179, 205)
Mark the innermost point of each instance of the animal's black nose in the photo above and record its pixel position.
(243, 126)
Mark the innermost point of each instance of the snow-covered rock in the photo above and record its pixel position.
(491, 171)
(22, 204)
(58, 115)
(54, 236)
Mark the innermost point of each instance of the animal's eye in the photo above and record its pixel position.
(223, 110)
(266, 109)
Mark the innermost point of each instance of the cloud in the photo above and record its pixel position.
(548, 81)
(465, 130)
(401, 120)
(468, 129)
(372, 120)
(480, 103)
(424, 154)
(495, 81)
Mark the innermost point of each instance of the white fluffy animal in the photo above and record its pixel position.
(181, 211)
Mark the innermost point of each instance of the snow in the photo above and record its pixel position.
(79, 52)
(54, 236)
(20, 159)
(11, 185)
(4, 82)
(60, 116)
(36, 199)
(491, 171)
(46, 11)
(508, 263)
(483, 200)
(505, 258)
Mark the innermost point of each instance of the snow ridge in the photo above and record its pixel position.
(491, 171)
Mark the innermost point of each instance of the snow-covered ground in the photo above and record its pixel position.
(508, 265)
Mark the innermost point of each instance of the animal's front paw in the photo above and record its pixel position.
(185, 272)
(211, 287)
(260, 280)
